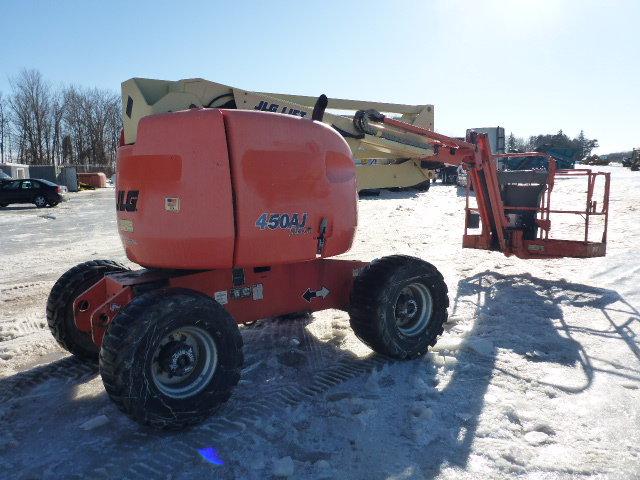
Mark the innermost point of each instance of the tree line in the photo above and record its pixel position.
(617, 156)
(45, 125)
(41, 124)
(581, 145)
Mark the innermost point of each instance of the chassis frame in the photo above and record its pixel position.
(248, 294)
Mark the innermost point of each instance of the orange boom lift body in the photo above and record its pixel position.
(243, 213)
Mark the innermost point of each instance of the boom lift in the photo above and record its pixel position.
(236, 216)
(381, 162)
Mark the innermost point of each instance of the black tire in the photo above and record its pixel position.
(424, 186)
(40, 201)
(2, 205)
(379, 295)
(133, 356)
(303, 314)
(60, 306)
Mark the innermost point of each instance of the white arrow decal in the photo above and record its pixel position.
(310, 294)
(323, 292)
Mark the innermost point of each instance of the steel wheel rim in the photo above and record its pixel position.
(40, 201)
(184, 362)
(413, 309)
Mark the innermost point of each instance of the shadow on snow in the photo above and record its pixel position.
(533, 327)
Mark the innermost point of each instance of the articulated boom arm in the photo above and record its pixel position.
(142, 97)
(513, 207)
(381, 162)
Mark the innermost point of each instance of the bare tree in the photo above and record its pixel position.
(4, 128)
(113, 124)
(57, 113)
(92, 121)
(31, 107)
(75, 125)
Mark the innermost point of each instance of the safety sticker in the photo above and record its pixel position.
(125, 225)
(257, 292)
(172, 204)
(221, 297)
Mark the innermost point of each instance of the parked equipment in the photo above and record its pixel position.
(565, 157)
(595, 160)
(93, 179)
(235, 216)
(448, 174)
(382, 161)
(633, 162)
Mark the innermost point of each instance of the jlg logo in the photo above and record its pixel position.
(127, 201)
(273, 107)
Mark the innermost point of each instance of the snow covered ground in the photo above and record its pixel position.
(537, 374)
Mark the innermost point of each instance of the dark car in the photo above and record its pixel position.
(31, 190)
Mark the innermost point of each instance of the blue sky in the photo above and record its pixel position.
(530, 66)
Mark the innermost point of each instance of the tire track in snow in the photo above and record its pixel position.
(20, 287)
(22, 317)
(236, 418)
(69, 368)
(242, 414)
(11, 331)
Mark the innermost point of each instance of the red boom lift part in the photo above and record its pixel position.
(497, 233)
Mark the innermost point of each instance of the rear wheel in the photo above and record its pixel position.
(40, 201)
(171, 358)
(60, 305)
(399, 306)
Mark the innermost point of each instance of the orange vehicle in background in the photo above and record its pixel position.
(96, 180)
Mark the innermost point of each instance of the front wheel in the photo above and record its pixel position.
(171, 358)
(399, 306)
(40, 201)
